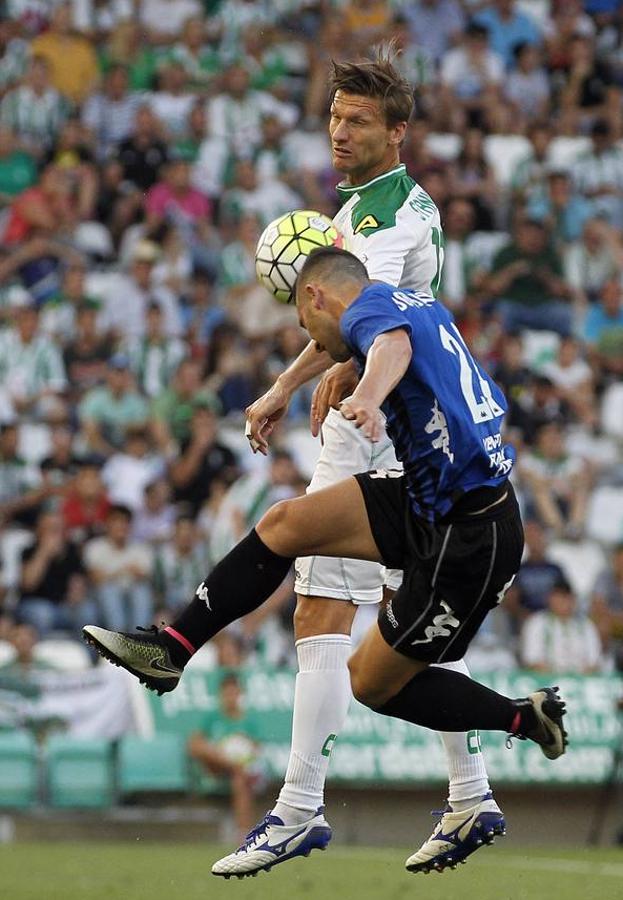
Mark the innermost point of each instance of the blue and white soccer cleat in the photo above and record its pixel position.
(457, 835)
(271, 842)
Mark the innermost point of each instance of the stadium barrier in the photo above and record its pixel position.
(72, 770)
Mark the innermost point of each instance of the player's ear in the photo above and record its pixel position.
(318, 297)
(314, 294)
(397, 134)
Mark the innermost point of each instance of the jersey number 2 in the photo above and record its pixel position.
(486, 408)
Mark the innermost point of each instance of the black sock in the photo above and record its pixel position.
(448, 701)
(237, 585)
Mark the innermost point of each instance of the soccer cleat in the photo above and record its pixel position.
(144, 655)
(457, 835)
(271, 842)
(549, 733)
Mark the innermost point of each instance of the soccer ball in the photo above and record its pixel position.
(285, 245)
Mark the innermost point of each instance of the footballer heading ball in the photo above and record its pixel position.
(285, 245)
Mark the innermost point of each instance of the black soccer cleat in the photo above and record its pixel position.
(145, 656)
(548, 733)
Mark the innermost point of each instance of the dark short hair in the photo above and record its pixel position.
(519, 48)
(118, 509)
(378, 79)
(329, 262)
(230, 678)
(561, 584)
(476, 29)
(601, 127)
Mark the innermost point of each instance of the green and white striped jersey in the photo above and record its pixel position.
(28, 369)
(392, 225)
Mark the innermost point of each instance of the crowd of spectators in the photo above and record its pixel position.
(144, 144)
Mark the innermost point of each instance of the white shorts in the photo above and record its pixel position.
(345, 451)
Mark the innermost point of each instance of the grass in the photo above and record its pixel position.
(98, 871)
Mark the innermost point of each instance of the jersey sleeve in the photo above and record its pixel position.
(369, 317)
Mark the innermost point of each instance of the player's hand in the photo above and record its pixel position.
(263, 415)
(365, 414)
(337, 382)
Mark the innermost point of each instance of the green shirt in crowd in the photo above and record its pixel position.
(529, 289)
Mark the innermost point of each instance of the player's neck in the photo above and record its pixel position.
(382, 168)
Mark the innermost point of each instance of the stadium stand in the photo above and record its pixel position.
(134, 183)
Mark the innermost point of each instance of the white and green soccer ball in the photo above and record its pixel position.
(285, 245)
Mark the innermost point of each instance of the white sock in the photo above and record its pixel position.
(322, 695)
(467, 774)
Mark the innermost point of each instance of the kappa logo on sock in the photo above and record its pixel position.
(202, 593)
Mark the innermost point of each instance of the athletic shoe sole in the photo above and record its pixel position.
(159, 685)
(550, 709)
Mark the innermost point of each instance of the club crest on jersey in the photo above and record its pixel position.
(202, 593)
(368, 222)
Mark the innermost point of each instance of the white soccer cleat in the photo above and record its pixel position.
(271, 842)
(457, 835)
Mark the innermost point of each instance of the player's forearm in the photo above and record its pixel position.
(307, 365)
(387, 361)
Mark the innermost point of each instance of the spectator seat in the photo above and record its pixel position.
(156, 764)
(604, 521)
(445, 146)
(19, 771)
(581, 561)
(79, 772)
(7, 653)
(503, 152)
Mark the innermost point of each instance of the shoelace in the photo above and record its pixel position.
(440, 813)
(509, 739)
(256, 832)
(153, 629)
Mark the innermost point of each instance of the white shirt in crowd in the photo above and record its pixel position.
(568, 377)
(126, 478)
(104, 556)
(467, 81)
(239, 122)
(168, 16)
(111, 121)
(91, 16)
(125, 304)
(172, 110)
(566, 645)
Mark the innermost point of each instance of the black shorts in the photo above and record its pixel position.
(455, 570)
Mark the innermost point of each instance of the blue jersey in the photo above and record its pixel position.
(444, 416)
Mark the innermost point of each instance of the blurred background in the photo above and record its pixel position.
(144, 145)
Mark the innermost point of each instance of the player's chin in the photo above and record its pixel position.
(339, 354)
(342, 162)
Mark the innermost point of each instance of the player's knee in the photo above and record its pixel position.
(278, 526)
(321, 615)
(363, 688)
(303, 619)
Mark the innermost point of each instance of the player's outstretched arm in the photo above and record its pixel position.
(387, 361)
(271, 406)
